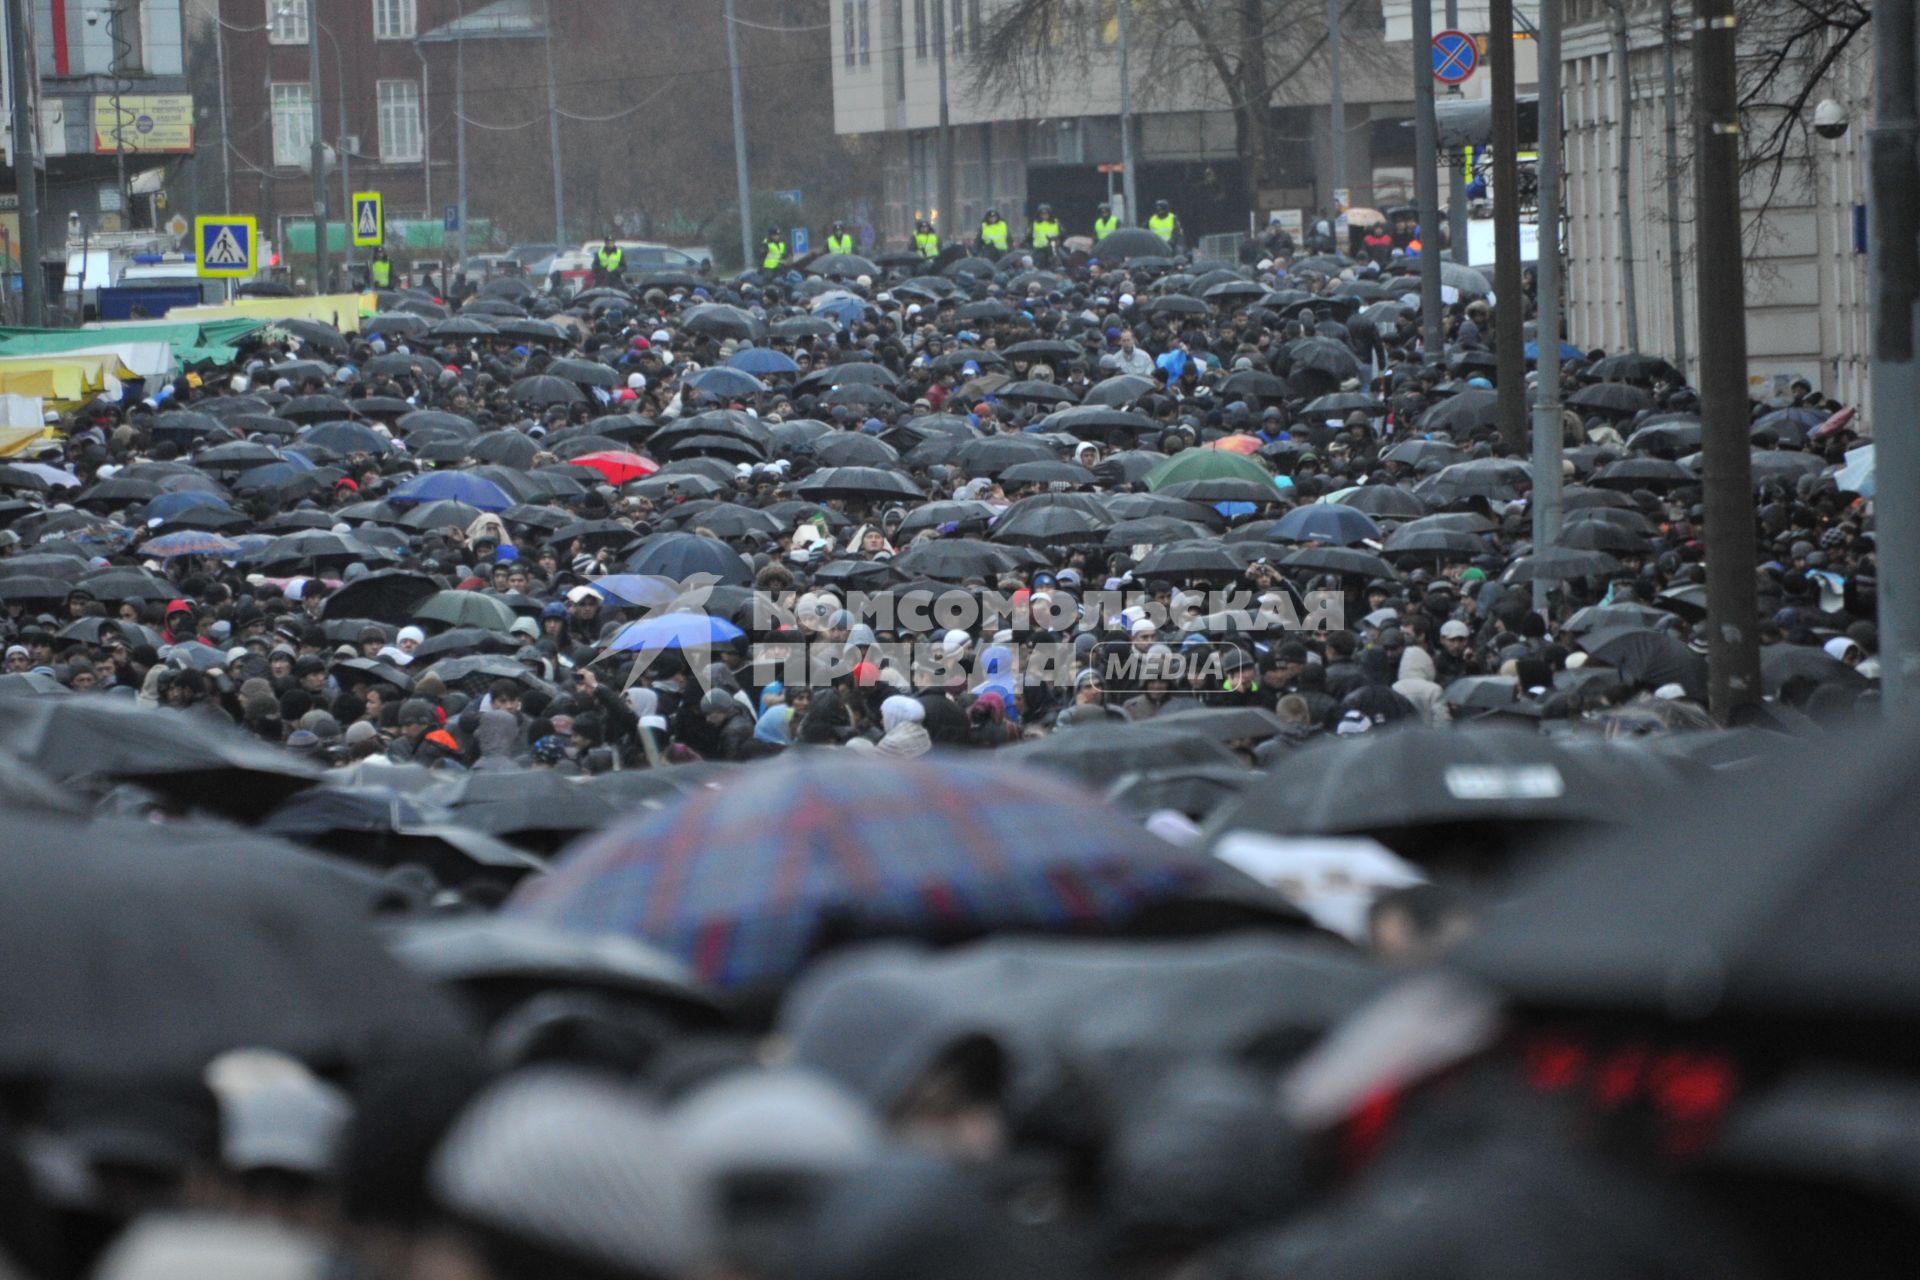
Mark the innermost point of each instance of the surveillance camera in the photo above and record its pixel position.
(1830, 119)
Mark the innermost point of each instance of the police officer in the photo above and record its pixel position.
(994, 233)
(773, 250)
(1104, 223)
(380, 270)
(926, 240)
(839, 239)
(608, 259)
(1045, 230)
(1163, 223)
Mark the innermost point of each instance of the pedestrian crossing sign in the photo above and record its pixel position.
(369, 220)
(224, 245)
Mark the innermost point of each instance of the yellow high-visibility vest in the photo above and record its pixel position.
(842, 243)
(928, 243)
(776, 253)
(994, 234)
(1045, 233)
(381, 273)
(610, 260)
(1103, 227)
(1162, 224)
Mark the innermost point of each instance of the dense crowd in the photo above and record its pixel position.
(502, 573)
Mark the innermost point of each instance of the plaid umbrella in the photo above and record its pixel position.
(739, 882)
(190, 542)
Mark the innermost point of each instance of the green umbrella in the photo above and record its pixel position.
(465, 609)
(1207, 464)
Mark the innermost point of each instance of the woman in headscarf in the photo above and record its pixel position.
(905, 736)
(771, 733)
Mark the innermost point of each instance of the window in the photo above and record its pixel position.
(292, 123)
(866, 33)
(393, 19)
(846, 30)
(399, 121)
(919, 30)
(287, 21)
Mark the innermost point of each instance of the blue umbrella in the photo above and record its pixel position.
(738, 882)
(847, 310)
(1567, 351)
(762, 362)
(1320, 523)
(722, 381)
(674, 631)
(452, 486)
(632, 589)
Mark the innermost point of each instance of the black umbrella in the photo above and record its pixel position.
(536, 809)
(460, 329)
(1044, 350)
(1556, 564)
(1782, 910)
(1408, 787)
(1186, 561)
(718, 320)
(316, 408)
(871, 483)
(390, 595)
(1433, 542)
(1252, 384)
(1119, 391)
(955, 559)
(1047, 471)
(1604, 535)
(1462, 413)
(544, 389)
(1316, 558)
(991, 456)
(1098, 753)
(1650, 658)
(1618, 398)
(1631, 368)
(1780, 663)
(589, 373)
(1032, 392)
(184, 757)
(1131, 242)
(1226, 489)
(1501, 479)
(1643, 473)
(1097, 422)
(1385, 502)
(851, 449)
(1051, 526)
(154, 949)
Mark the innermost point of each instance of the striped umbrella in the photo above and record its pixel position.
(741, 882)
(190, 542)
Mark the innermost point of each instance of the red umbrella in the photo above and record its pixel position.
(617, 465)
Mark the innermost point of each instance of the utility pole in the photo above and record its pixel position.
(1128, 191)
(226, 146)
(319, 153)
(739, 144)
(1456, 180)
(553, 130)
(26, 151)
(1426, 153)
(1733, 651)
(1676, 269)
(1547, 422)
(1623, 169)
(1509, 340)
(460, 134)
(1338, 110)
(1894, 259)
(949, 212)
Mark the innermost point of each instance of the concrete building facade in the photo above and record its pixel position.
(1806, 286)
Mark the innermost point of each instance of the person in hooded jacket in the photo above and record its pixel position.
(1375, 698)
(732, 725)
